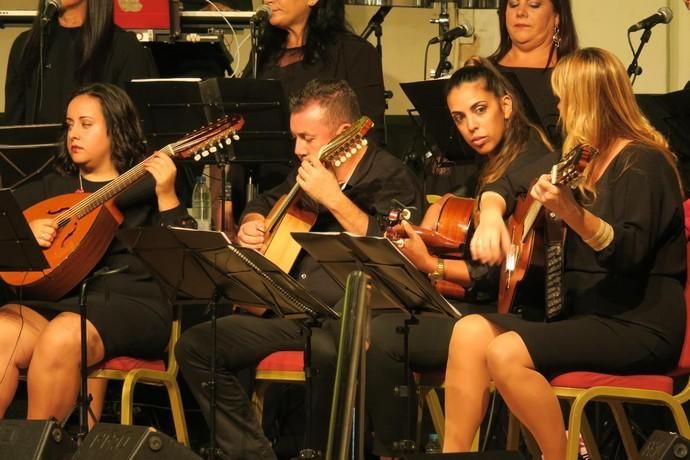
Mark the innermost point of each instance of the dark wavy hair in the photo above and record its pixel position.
(122, 121)
(518, 127)
(96, 38)
(326, 21)
(569, 41)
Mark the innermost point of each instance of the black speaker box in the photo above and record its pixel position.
(34, 440)
(663, 445)
(121, 442)
(491, 455)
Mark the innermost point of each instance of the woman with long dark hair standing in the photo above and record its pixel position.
(80, 45)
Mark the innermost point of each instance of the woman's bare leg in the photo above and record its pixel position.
(53, 377)
(20, 328)
(467, 381)
(527, 393)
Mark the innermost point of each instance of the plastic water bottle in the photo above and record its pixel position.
(201, 204)
(433, 445)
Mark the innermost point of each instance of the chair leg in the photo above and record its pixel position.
(177, 410)
(513, 435)
(421, 404)
(624, 429)
(590, 440)
(434, 405)
(258, 395)
(127, 401)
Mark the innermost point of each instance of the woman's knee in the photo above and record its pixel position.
(505, 354)
(472, 332)
(62, 338)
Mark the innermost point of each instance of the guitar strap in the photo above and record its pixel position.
(554, 238)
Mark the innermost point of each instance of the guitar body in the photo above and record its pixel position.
(454, 222)
(280, 247)
(76, 249)
(526, 252)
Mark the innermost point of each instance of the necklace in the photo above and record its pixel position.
(81, 185)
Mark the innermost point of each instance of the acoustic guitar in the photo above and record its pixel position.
(86, 222)
(288, 215)
(525, 257)
(448, 237)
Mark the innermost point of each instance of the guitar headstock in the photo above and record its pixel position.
(207, 139)
(569, 170)
(347, 143)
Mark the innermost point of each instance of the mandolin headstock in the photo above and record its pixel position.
(208, 139)
(347, 143)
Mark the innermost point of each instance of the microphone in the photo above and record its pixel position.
(662, 15)
(50, 10)
(263, 14)
(463, 30)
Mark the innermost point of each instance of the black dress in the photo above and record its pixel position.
(540, 104)
(626, 304)
(127, 59)
(127, 308)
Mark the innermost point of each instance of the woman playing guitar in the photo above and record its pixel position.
(126, 312)
(490, 120)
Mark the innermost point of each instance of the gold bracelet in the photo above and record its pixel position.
(440, 271)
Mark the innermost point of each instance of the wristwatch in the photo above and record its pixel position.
(440, 271)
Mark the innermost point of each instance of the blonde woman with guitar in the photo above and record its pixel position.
(624, 255)
(39, 331)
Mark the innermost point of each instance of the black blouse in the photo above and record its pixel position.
(378, 179)
(127, 60)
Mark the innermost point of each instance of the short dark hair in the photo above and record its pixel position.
(335, 96)
(127, 138)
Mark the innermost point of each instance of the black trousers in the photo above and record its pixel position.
(243, 341)
(428, 352)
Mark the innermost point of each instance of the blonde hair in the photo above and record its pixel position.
(598, 107)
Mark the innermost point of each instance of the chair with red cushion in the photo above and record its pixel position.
(281, 366)
(580, 388)
(151, 372)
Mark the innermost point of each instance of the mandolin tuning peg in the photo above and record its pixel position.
(337, 163)
(213, 149)
(365, 142)
(343, 159)
(228, 141)
(197, 157)
(348, 154)
(204, 154)
(236, 137)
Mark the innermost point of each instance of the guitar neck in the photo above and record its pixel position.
(104, 194)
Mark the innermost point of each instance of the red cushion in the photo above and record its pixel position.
(283, 361)
(127, 363)
(593, 379)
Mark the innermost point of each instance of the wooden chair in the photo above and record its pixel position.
(580, 388)
(151, 372)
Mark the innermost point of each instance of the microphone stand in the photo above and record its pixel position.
(443, 21)
(633, 69)
(256, 29)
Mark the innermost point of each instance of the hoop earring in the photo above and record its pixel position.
(556, 37)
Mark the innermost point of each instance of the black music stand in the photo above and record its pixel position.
(18, 248)
(265, 143)
(398, 284)
(205, 265)
(26, 151)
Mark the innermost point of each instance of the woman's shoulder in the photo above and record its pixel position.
(355, 42)
(125, 37)
(644, 159)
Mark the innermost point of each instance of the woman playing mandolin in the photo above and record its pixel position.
(490, 119)
(126, 312)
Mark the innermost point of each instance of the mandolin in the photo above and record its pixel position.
(525, 259)
(87, 222)
(288, 215)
